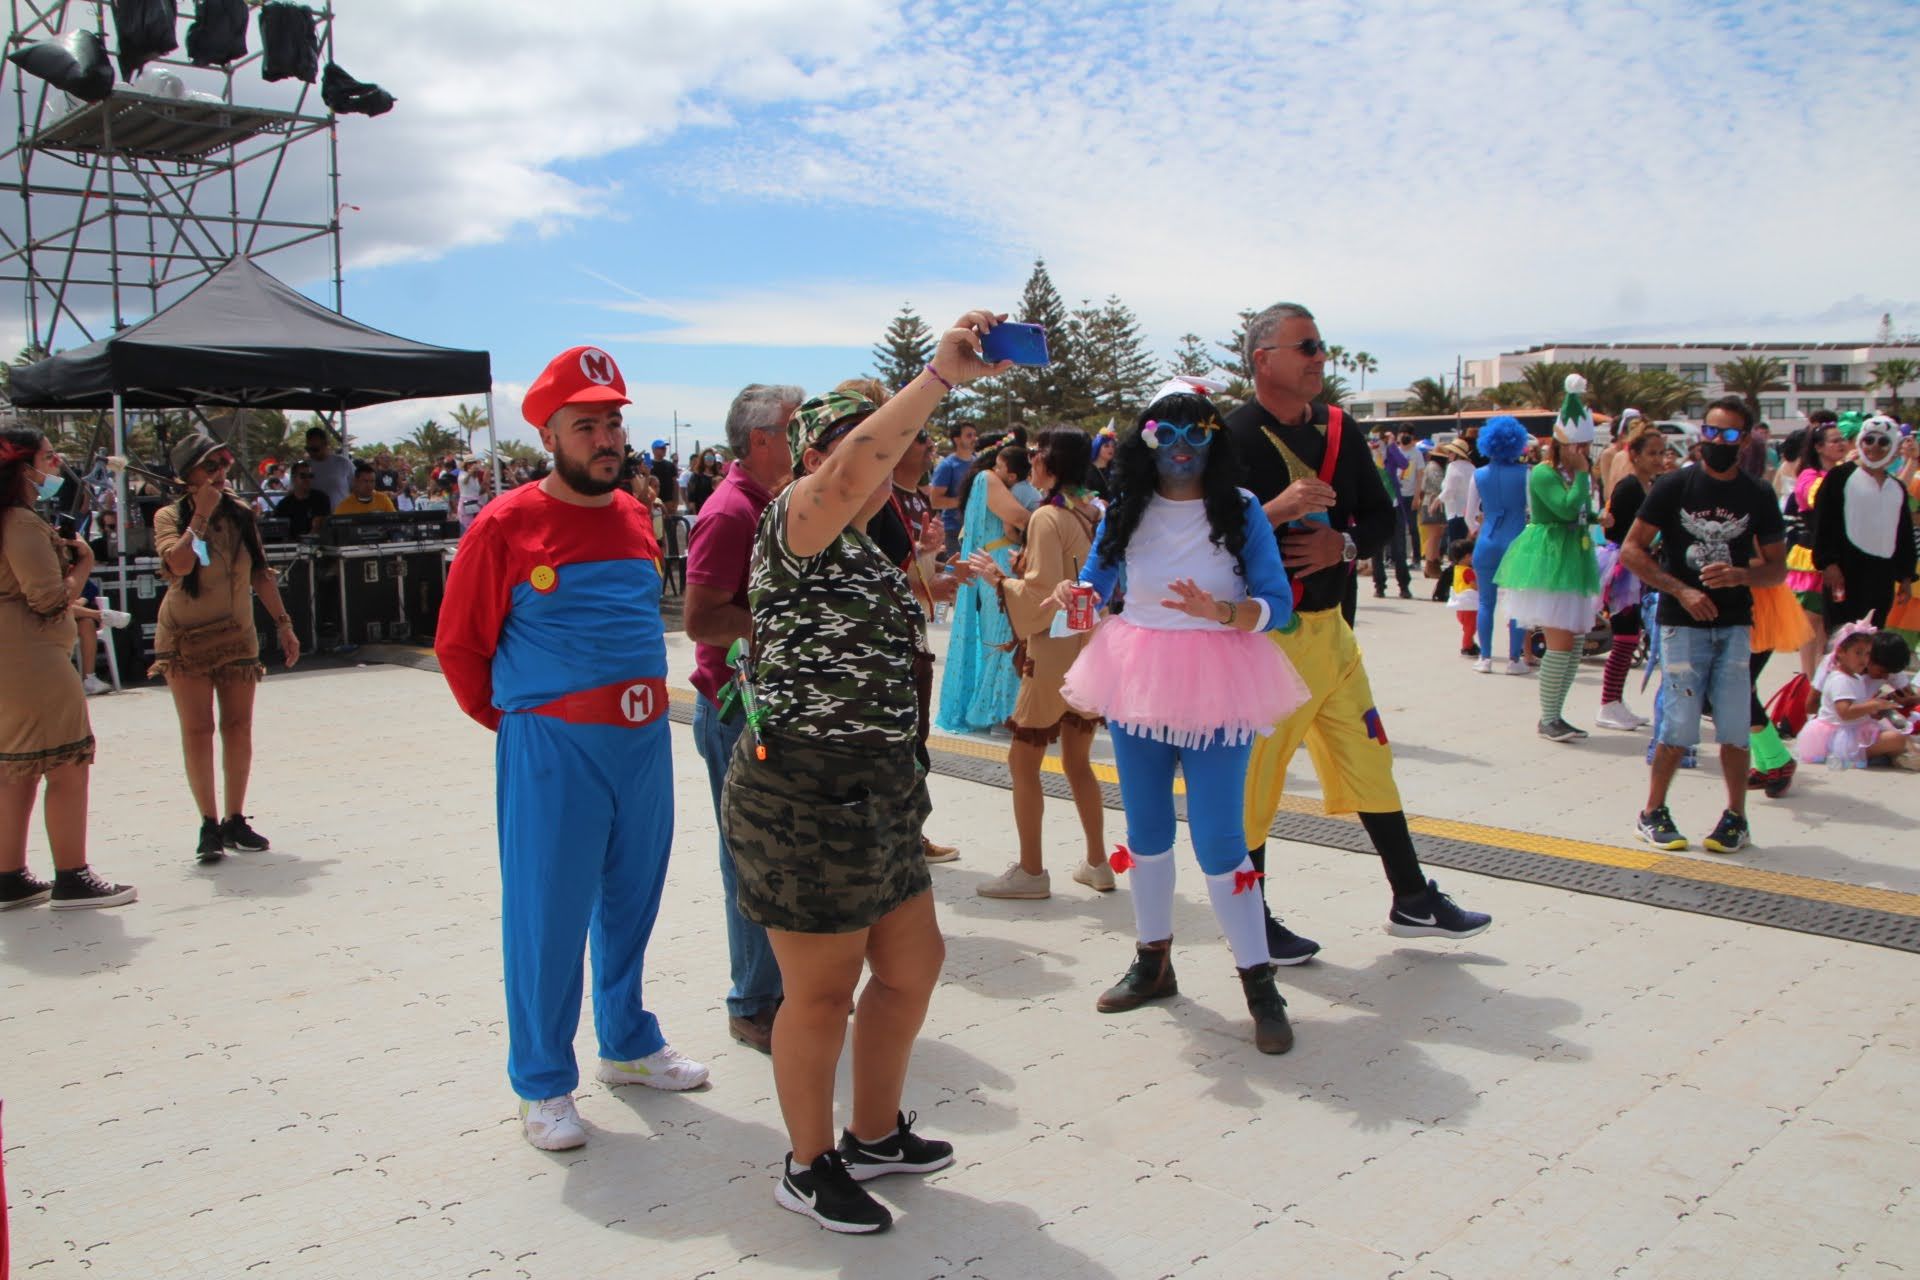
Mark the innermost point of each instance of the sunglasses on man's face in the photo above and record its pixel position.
(1308, 347)
(1721, 435)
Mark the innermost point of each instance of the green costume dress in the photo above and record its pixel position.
(1550, 576)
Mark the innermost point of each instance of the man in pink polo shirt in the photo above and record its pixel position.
(716, 616)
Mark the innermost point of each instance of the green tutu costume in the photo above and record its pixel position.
(1550, 576)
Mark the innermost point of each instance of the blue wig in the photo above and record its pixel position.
(1503, 438)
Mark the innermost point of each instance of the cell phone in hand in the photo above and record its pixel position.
(1021, 343)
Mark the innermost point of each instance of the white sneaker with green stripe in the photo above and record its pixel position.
(666, 1068)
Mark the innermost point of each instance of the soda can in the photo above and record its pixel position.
(1080, 607)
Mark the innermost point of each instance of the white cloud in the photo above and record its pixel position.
(806, 313)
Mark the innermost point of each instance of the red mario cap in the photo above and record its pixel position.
(578, 375)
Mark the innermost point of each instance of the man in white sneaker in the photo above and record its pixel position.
(550, 635)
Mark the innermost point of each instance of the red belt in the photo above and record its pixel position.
(627, 703)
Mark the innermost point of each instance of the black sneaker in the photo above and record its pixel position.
(902, 1151)
(1657, 829)
(1432, 914)
(236, 834)
(1780, 779)
(1558, 730)
(827, 1193)
(1470, 650)
(84, 887)
(22, 889)
(213, 844)
(1284, 946)
(1729, 835)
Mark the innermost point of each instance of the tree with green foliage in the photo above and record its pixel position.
(1546, 383)
(1608, 382)
(1892, 375)
(1116, 368)
(1191, 358)
(470, 418)
(904, 349)
(1749, 376)
(1659, 394)
(1509, 395)
(1363, 363)
(1052, 391)
(1334, 390)
(433, 441)
(1429, 397)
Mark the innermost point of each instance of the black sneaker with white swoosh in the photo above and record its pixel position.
(902, 1151)
(827, 1193)
(1432, 914)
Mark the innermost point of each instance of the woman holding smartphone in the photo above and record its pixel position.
(205, 646)
(824, 799)
(45, 737)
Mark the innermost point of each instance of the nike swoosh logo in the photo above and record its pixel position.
(1413, 919)
(811, 1197)
(872, 1158)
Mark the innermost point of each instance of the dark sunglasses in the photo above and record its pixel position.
(838, 429)
(1308, 347)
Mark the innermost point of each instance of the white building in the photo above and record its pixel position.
(1819, 375)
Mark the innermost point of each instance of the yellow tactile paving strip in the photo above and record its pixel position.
(1732, 874)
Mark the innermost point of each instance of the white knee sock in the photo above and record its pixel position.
(1240, 915)
(1152, 877)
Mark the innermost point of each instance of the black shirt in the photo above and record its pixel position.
(1362, 508)
(1624, 506)
(1702, 521)
(387, 482)
(667, 472)
(300, 513)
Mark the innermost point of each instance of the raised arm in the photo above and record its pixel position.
(826, 500)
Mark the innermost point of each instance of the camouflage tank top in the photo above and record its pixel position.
(834, 637)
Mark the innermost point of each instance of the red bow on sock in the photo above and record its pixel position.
(1245, 880)
(1121, 859)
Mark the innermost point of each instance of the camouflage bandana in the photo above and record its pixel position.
(815, 419)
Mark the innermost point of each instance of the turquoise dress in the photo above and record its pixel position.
(978, 691)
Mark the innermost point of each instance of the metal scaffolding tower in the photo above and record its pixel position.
(126, 203)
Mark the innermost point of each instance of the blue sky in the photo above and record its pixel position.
(724, 191)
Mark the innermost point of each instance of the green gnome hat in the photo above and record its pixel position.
(1575, 424)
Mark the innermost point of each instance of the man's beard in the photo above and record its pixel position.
(581, 479)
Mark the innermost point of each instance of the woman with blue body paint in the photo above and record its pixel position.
(1185, 683)
(1502, 486)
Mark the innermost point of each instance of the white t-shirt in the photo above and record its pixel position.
(333, 476)
(1173, 540)
(1837, 687)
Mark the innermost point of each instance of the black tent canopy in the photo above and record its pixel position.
(245, 340)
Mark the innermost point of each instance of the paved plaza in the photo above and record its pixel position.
(292, 1064)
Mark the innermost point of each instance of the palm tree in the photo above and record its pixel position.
(1333, 390)
(470, 419)
(432, 440)
(1892, 375)
(1546, 383)
(1337, 357)
(1509, 395)
(1607, 383)
(1363, 364)
(1660, 394)
(1432, 396)
(1748, 376)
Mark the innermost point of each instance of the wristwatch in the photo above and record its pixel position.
(1348, 552)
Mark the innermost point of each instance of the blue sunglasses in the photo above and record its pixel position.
(1721, 435)
(1159, 435)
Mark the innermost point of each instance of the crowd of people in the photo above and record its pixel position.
(1188, 581)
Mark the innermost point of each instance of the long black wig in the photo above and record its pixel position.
(1138, 480)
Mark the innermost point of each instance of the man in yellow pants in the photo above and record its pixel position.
(1330, 513)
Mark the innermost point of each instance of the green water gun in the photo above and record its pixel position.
(739, 694)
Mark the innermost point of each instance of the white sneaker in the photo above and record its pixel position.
(1615, 715)
(1483, 665)
(1519, 667)
(94, 685)
(114, 618)
(665, 1068)
(1015, 883)
(552, 1125)
(1099, 878)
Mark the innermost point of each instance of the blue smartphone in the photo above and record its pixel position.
(1020, 343)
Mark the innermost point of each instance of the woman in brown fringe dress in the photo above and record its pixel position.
(44, 732)
(205, 645)
(1058, 538)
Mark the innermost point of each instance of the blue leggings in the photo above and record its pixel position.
(1216, 776)
(1486, 563)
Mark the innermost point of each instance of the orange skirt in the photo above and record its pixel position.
(1906, 617)
(1779, 624)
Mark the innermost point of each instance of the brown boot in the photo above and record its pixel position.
(1150, 978)
(1271, 1031)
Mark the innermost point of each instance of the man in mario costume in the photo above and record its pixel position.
(550, 635)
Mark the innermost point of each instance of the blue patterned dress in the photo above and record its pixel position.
(978, 690)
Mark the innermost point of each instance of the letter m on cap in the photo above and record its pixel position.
(596, 366)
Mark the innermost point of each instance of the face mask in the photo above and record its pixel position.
(1720, 457)
(50, 485)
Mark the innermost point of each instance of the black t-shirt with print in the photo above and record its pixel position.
(1703, 520)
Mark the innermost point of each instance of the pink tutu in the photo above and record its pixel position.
(1184, 687)
(1820, 738)
(1619, 589)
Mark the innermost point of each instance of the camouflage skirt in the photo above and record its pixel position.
(824, 841)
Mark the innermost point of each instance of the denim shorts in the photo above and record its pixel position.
(1698, 665)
